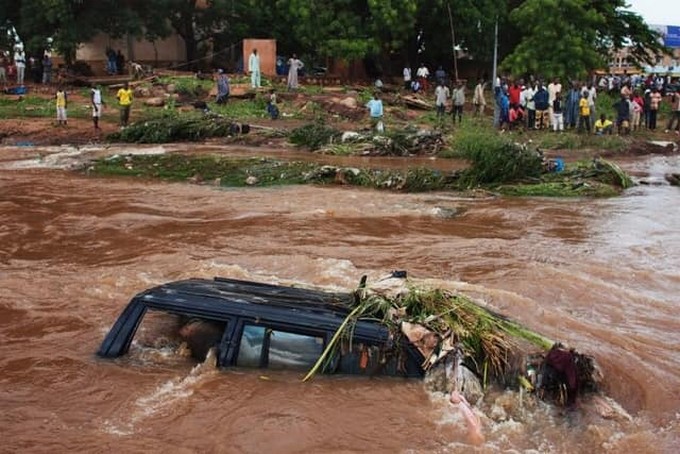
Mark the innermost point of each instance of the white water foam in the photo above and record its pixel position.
(165, 396)
(68, 157)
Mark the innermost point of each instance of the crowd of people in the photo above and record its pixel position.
(537, 105)
(19, 68)
(548, 105)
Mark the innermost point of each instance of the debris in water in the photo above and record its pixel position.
(468, 348)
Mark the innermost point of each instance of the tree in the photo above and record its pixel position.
(68, 22)
(196, 22)
(346, 28)
(473, 22)
(570, 38)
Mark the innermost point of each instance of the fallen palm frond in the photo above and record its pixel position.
(333, 342)
(612, 174)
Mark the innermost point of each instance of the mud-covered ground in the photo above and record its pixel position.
(34, 129)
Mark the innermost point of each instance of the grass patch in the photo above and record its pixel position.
(565, 188)
(230, 172)
(309, 89)
(188, 85)
(573, 141)
(38, 107)
(242, 109)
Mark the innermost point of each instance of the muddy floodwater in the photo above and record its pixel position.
(601, 275)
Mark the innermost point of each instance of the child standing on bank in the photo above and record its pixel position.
(97, 103)
(61, 102)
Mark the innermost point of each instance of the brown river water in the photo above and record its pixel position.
(600, 275)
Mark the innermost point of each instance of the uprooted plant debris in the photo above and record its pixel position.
(467, 347)
(180, 128)
(314, 135)
(408, 141)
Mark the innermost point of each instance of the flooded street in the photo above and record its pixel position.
(601, 275)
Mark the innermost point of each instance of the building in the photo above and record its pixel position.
(666, 64)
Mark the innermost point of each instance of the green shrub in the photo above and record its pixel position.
(471, 140)
(500, 162)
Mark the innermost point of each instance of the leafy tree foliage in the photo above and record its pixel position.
(68, 22)
(566, 38)
(569, 38)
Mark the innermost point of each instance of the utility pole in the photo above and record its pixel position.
(453, 43)
(495, 54)
(496, 110)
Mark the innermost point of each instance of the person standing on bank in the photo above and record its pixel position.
(478, 99)
(375, 109)
(407, 77)
(222, 87)
(423, 74)
(97, 103)
(294, 65)
(124, 96)
(441, 96)
(20, 63)
(120, 62)
(254, 69)
(458, 97)
(47, 67)
(61, 102)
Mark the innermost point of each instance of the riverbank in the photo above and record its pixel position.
(316, 126)
(29, 119)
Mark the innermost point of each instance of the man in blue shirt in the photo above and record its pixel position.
(541, 99)
(375, 109)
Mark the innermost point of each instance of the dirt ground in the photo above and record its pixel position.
(36, 131)
(43, 131)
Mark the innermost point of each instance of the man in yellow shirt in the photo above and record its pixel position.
(125, 102)
(603, 126)
(584, 113)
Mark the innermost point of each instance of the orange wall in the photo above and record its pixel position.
(266, 49)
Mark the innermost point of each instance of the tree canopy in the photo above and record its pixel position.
(564, 38)
(569, 38)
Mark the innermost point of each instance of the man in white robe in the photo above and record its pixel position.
(254, 69)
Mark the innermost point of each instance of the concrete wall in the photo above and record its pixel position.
(266, 49)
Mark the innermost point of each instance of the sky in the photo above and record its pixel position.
(657, 12)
